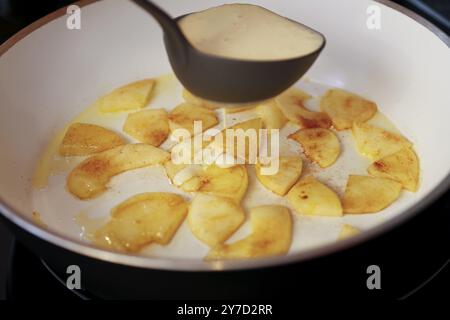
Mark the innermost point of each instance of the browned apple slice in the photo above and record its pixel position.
(291, 102)
(142, 220)
(289, 171)
(271, 235)
(135, 95)
(90, 177)
(320, 145)
(82, 139)
(184, 115)
(149, 126)
(376, 143)
(368, 194)
(311, 197)
(344, 108)
(401, 166)
(226, 182)
(213, 219)
(348, 231)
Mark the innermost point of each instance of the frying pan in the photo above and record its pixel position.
(49, 73)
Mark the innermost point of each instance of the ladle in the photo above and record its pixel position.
(224, 79)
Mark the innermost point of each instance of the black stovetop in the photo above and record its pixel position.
(415, 257)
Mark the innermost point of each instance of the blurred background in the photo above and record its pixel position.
(15, 14)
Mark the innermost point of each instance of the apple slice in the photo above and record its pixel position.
(288, 173)
(194, 100)
(132, 96)
(240, 108)
(173, 169)
(344, 108)
(184, 115)
(271, 235)
(243, 132)
(213, 219)
(148, 126)
(271, 115)
(320, 145)
(311, 197)
(225, 182)
(369, 194)
(142, 219)
(89, 178)
(291, 103)
(82, 139)
(401, 166)
(348, 231)
(376, 143)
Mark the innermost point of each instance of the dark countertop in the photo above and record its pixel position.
(5, 245)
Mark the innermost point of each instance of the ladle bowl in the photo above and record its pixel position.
(225, 79)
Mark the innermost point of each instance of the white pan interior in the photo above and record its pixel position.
(54, 73)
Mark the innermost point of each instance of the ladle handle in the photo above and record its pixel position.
(170, 27)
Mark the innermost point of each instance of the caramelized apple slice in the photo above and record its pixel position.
(241, 108)
(368, 194)
(213, 219)
(132, 96)
(271, 115)
(348, 231)
(344, 108)
(148, 126)
(243, 132)
(90, 177)
(184, 115)
(226, 182)
(291, 103)
(320, 145)
(311, 197)
(172, 169)
(82, 139)
(376, 143)
(194, 100)
(401, 166)
(288, 173)
(142, 220)
(271, 235)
